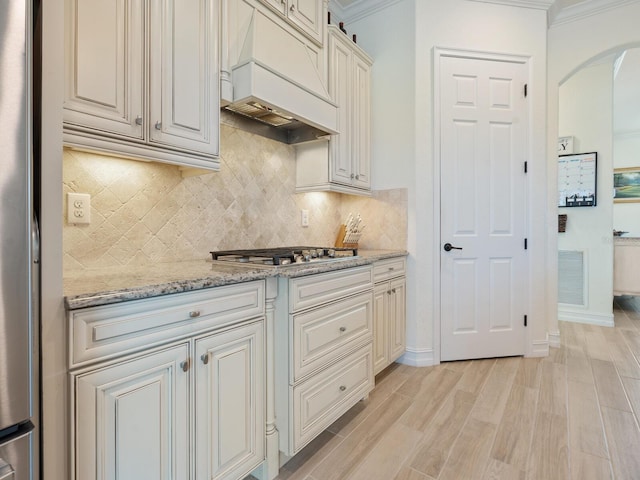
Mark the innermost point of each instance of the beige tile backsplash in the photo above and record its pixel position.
(147, 212)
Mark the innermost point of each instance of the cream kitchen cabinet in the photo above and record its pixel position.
(389, 312)
(308, 16)
(323, 351)
(142, 79)
(163, 387)
(344, 163)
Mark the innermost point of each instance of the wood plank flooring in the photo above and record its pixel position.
(573, 415)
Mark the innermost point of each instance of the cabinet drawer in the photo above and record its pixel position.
(390, 268)
(322, 335)
(323, 398)
(104, 332)
(305, 292)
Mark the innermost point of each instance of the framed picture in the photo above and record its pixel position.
(577, 175)
(626, 184)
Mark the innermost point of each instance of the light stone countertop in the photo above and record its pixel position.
(95, 287)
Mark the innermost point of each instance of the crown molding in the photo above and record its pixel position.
(537, 4)
(359, 9)
(559, 15)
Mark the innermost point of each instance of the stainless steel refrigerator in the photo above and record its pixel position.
(19, 392)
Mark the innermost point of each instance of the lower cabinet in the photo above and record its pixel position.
(197, 404)
(389, 313)
(323, 351)
(132, 418)
(229, 403)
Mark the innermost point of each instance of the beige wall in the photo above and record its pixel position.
(147, 212)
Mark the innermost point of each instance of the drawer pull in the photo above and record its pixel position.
(194, 313)
(342, 388)
(391, 269)
(388, 292)
(393, 290)
(185, 365)
(205, 358)
(343, 329)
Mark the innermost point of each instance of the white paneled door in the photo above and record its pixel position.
(483, 145)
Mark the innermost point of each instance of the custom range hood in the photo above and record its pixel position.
(276, 84)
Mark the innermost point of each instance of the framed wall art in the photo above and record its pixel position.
(626, 185)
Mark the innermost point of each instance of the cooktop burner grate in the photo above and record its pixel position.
(284, 255)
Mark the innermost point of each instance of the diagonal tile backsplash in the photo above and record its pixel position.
(147, 212)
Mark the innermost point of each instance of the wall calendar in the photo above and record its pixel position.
(577, 175)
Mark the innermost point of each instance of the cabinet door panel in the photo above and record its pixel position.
(307, 15)
(229, 397)
(380, 302)
(340, 90)
(183, 74)
(361, 128)
(397, 319)
(132, 419)
(104, 77)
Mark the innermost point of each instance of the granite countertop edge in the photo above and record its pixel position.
(97, 287)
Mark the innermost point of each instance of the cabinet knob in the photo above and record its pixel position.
(292, 8)
(357, 177)
(205, 358)
(388, 292)
(342, 388)
(185, 365)
(352, 176)
(343, 329)
(138, 120)
(158, 125)
(194, 314)
(393, 290)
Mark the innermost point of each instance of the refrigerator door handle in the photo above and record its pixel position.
(6, 471)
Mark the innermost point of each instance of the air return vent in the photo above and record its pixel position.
(571, 277)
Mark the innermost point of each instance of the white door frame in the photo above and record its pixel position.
(438, 53)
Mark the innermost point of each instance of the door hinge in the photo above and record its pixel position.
(526, 244)
(525, 90)
(525, 320)
(526, 167)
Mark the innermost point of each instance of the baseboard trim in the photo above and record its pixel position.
(540, 348)
(417, 357)
(554, 339)
(603, 320)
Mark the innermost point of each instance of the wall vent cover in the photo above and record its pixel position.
(571, 277)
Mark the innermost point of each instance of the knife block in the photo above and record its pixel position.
(340, 238)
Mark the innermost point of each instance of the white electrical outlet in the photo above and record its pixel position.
(304, 218)
(79, 208)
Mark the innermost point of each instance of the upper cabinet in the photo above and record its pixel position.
(344, 164)
(306, 15)
(142, 79)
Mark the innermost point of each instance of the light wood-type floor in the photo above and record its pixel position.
(572, 415)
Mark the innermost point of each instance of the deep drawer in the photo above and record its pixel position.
(325, 397)
(109, 331)
(322, 335)
(306, 292)
(390, 268)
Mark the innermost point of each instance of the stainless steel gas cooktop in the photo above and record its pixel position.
(285, 255)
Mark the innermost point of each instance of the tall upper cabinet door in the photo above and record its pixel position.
(340, 90)
(361, 129)
(183, 74)
(104, 76)
(307, 15)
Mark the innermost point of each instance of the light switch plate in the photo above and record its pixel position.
(304, 218)
(79, 208)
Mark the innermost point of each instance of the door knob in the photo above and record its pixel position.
(448, 247)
